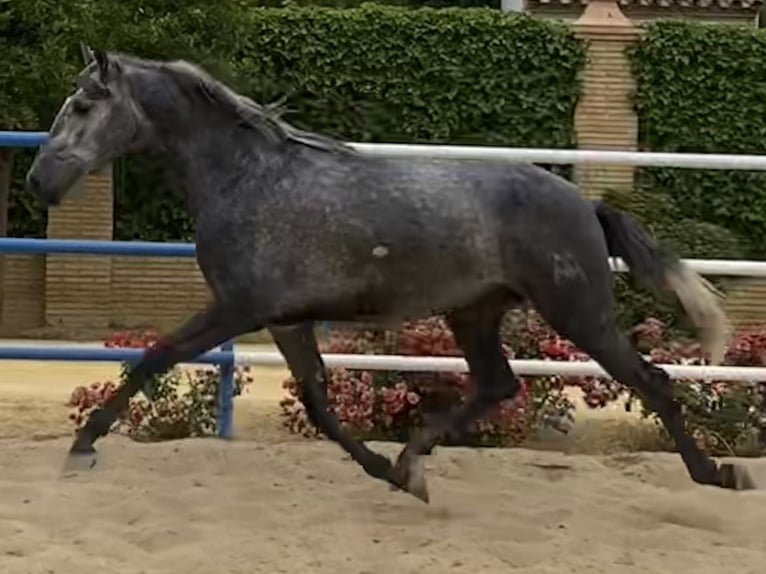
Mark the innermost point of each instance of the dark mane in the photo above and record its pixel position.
(265, 119)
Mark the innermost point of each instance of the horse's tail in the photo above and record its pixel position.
(628, 239)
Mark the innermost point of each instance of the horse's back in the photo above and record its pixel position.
(521, 203)
(498, 221)
(489, 212)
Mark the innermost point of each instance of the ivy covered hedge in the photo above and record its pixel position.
(358, 3)
(386, 74)
(702, 88)
(40, 43)
(36, 71)
(699, 88)
(374, 73)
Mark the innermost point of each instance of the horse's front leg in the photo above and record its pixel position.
(203, 331)
(299, 347)
(477, 333)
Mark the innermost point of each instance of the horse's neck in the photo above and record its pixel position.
(210, 150)
(212, 162)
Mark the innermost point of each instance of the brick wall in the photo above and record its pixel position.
(746, 301)
(155, 291)
(77, 288)
(726, 13)
(24, 294)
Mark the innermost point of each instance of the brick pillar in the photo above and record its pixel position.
(78, 287)
(605, 119)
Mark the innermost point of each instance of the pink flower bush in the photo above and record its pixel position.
(391, 405)
(172, 414)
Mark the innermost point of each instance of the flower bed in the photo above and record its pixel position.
(184, 404)
(725, 417)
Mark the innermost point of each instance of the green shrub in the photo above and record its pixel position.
(383, 74)
(691, 97)
(375, 73)
(357, 3)
(699, 89)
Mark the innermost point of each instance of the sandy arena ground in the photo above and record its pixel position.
(268, 502)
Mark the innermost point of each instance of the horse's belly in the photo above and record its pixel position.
(425, 295)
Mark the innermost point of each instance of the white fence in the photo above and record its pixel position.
(720, 267)
(527, 367)
(566, 156)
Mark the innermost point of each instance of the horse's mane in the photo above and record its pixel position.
(265, 119)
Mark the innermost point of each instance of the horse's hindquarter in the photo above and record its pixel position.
(550, 233)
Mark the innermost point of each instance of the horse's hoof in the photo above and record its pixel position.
(81, 456)
(78, 462)
(82, 449)
(409, 475)
(736, 477)
(82, 445)
(561, 424)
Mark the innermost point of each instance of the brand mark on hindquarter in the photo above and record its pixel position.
(566, 268)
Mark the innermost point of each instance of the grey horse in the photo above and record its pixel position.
(293, 227)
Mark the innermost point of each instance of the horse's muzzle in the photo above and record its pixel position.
(52, 176)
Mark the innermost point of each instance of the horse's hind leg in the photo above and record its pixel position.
(585, 317)
(299, 347)
(477, 332)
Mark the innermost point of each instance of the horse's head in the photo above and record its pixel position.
(96, 124)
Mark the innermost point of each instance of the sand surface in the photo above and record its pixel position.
(268, 502)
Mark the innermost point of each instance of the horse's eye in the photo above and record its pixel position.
(81, 107)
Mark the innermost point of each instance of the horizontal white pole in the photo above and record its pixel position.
(520, 367)
(567, 156)
(730, 267)
(530, 155)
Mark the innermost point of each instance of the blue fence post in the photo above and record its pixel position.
(226, 393)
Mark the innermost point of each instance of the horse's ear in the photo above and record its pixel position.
(102, 59)
(87, 53)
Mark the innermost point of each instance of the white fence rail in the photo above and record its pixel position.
(567, 156)
(527, 367)
(719, 267)
(532, 155)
